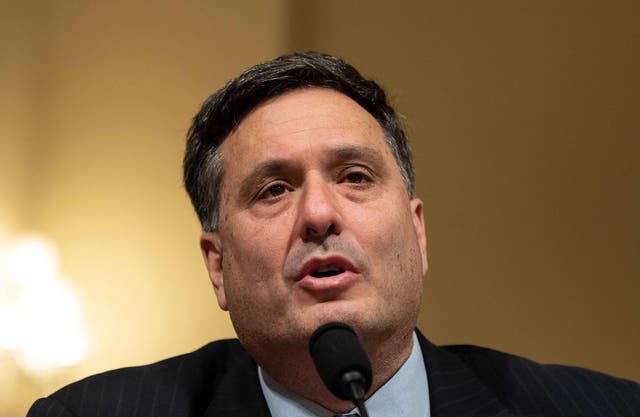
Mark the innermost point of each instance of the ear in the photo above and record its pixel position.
(212, 254)
(418, 224)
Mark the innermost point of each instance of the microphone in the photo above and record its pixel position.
(341, 363)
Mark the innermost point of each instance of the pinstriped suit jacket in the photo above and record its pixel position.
(221, 379)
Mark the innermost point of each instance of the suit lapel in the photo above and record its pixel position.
(454, 390)
(238, 394)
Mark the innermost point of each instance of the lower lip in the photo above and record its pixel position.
(332, 283)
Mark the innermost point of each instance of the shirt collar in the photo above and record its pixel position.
(405, 394)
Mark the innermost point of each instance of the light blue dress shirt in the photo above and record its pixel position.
(406, 394)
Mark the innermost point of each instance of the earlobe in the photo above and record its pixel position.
(418, 224)
(211, 248)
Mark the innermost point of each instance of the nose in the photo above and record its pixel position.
(319, 212)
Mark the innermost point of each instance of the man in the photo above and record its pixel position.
(301, 176)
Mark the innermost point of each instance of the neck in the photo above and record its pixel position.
(296, 372)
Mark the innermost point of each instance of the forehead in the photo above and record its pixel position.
(307, 121)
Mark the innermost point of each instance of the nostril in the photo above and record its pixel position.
(313, 232)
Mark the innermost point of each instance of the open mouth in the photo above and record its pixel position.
(326, 271)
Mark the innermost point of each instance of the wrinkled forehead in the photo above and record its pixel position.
(313, 117)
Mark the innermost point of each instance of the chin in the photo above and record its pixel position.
(348, 312)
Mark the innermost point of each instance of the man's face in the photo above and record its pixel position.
(315, 224)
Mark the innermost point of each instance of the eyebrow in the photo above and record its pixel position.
(347, 153)
(260, 172)
(334, 157)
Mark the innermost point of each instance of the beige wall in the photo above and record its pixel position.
(524, 123)
(100, 97)
(523, 118)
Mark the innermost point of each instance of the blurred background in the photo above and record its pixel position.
(523, 118)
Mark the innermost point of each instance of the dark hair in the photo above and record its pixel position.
(223, 111)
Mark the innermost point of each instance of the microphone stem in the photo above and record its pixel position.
(361, 408)
(357, 395)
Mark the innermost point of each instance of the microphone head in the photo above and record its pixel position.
(340, 359)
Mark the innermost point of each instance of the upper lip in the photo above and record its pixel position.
(335, 261)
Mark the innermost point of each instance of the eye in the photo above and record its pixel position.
(273, 191)
(356, 175)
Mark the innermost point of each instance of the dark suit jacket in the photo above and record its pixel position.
(221, 379)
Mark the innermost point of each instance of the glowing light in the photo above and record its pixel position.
(40, 316)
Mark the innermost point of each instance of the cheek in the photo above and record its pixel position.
(252, 264)
(385, 230)
(394, 249)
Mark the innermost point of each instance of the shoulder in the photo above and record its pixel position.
(178, 386)
(526, 386)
